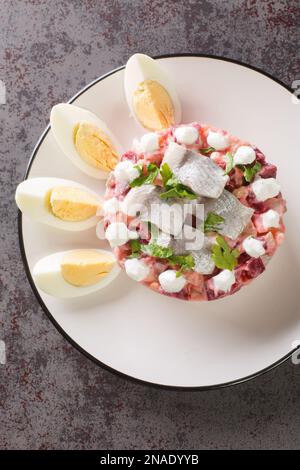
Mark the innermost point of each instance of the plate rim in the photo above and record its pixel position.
(47, 311)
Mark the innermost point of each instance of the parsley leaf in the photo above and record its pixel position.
(207, 150)
(229, 163)
(166, 173)
(186, 262)
(135, 246)
(212, 222)
(157, 251)
(223, 256)
(148, 178)
(168, 194)
(250, 171)
(139, 168)
(138, 181)
(180, 191)
(172, 185)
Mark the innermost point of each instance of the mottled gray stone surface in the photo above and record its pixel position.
(50, 395)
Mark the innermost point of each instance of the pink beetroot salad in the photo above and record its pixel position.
(201, 286)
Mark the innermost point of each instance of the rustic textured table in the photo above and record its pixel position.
(50, 395)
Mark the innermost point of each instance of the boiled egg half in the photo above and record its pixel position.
(85, 139)
(64, 204)
(75, 273)
(150, 93)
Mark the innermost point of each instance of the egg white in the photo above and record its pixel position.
(63, 119)
(31, 200)
(48, 277)
(141, 67)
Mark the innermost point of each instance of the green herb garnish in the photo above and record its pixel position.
(207, 150)
(213, 222)
(157, 251)
(166, 173)
(229, 163)
(148, 178)
(135, 246)
(179, 191)
(172, 185)
(186, 263)
(223, 256)
(250, 171)
(139, 168)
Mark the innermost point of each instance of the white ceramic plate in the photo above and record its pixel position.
(161, 340)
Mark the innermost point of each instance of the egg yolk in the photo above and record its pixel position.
(85, 267)
(94, 147)
(153, 106)
(72, 204)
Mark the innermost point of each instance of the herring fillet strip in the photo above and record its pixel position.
(199, 173)
(139, 197)
(236, 215)
(203, 261)
(145, 201)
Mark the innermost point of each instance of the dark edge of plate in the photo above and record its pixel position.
(48, 313)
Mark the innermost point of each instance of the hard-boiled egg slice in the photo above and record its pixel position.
(150, 93)
(75, 273)
(64, 204)
(85, 139)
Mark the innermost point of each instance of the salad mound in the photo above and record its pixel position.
(193, 212)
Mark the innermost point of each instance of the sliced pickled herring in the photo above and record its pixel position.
(197, 172)
(204, 263)
(236, 216)
(168, 217)
(201, 251)
(138, 198)
(145, 202)
(183, 243)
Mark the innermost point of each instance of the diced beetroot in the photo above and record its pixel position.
(236, 179)
(260, 156)
(255, 267)
(249, 270)
(258, 206)
(268, 171)
(130, 155)
(243, 258)
(213, 294)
